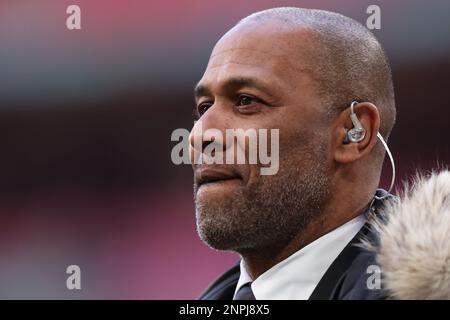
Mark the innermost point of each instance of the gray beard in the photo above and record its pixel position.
(267, 216)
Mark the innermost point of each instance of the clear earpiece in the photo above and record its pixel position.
(357, 134)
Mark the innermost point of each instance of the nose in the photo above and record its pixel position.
(197, 139)
(209, 129)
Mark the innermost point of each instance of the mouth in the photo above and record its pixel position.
(207, 176)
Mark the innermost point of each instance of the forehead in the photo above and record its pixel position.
(266, 51)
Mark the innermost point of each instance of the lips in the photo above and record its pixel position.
(207, 175)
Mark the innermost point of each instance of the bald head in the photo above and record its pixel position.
(345, 60)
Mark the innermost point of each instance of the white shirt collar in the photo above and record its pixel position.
(296, 277)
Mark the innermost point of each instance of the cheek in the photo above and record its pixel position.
(299, 130)
(301, 148)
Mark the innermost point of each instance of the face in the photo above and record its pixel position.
(256, 79)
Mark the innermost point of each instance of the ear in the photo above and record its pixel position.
(369, 117)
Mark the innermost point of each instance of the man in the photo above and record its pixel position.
(296, 70)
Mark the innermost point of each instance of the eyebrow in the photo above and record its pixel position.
(235, 82)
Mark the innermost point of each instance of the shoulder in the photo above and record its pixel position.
(224, 286)
(362, 280)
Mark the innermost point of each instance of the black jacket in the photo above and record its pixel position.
(346, 278)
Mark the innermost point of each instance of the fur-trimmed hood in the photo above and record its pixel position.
(413, 246)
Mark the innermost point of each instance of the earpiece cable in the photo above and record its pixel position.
(388, 151)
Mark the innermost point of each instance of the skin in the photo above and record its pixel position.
(274, 56)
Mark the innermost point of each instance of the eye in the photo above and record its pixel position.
(245, 100)
(203, 107)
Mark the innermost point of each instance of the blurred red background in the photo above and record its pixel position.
(86, 116)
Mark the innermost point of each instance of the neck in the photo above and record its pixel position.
(258, 261)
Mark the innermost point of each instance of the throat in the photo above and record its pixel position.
(258, 261)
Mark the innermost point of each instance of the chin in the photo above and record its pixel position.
(216, 239)
(218, 227)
